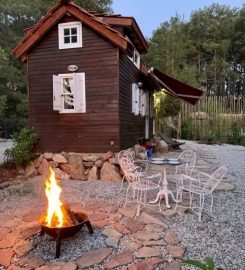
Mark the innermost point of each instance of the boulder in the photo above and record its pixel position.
(99, 163)
(107, 156)
(93, 174)
(37, 161)
(76, 171)
(88, 164)
(53, 164)
(48, 156)
(110, 172)
(74, 159)
(60, 175)
(91, 157)
(30, 170)
(44, 167)
(114, 161)
(59, 158)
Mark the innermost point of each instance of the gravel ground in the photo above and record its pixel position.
(4, 144)
(221, 236)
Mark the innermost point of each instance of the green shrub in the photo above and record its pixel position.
(22, 151)
(207, 264)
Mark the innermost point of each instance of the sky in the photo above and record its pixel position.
(149, 14)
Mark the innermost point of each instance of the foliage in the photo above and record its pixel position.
(22, 151)
(207, 264)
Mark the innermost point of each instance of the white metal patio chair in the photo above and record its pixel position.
(202, 187)
(186, 169)
(140, 185)
(127, 163)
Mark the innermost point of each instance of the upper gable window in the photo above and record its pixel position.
(70, 35)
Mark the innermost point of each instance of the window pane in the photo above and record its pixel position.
(66, 31)
(69, 102)
(74, 31)
(67, 40)
(74, 39)
(68, 85)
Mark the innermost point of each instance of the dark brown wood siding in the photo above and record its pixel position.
(132, 127)
(94, 130)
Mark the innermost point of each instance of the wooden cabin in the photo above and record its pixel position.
(87, 91)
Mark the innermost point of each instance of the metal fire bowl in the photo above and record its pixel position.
(65, 232)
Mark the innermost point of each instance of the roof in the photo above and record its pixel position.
(173, 87)
(37, 32)
(129, 23)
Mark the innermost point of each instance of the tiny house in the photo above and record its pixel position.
(87, 90)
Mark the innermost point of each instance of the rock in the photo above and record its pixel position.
(14, 267)
(149, 264)
(176, 251)
(120, 228)
(48, 156)
(107, 156)
(5, 257)
(114, 161)
(99, 223)
(22, 247)
(169, 213)
(146, 252)
(127, 212)
(171, 238)
(30, 170)
(99, 163)
(59, 158)
(115, 217)
(29, 232)
(151, 220)
(145, 236)
(60, 175)
(131, 245)
(76, 171)
(30, 261)
(37, 161)
(53, 164)
(44, 167)
(175, 265)
(4, 232)
(88, 164)
(91, 157)
(110, 172)
(97, 216)
(154, 228)
(58, 266)
(225, 187)
(93, 257)
(113, 237)
(120, 260)
(133, 225)
(93, 174)
(10, 239)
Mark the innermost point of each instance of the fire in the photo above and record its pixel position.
(54, 217)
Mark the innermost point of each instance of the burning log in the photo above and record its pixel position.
(69, 218)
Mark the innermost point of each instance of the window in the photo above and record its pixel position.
(69, 93)
(139, 100)
(70, 35)
(136, 59)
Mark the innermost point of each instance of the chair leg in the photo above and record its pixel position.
(122, 183)
(212, 201)
(126, 199)
(191, 195)
(201, 207)
(139, 201)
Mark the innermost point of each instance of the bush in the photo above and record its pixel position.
(22, 151)
(207, 264)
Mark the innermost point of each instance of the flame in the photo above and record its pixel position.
(54, 217)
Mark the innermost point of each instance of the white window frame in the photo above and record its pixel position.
(62, 44)
(135, 99)
(136, 61)
(78, 92)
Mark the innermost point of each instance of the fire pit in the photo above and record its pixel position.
(60, 222)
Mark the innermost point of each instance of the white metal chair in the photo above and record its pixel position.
(140, 185)
(202, 187)
(186, 169)
(127, 163)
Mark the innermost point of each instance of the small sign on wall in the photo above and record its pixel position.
(72, 68)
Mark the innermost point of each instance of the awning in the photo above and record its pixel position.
(174, 87)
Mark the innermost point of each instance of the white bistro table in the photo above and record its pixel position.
(164, 191)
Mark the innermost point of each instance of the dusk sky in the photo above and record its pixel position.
(149, 14)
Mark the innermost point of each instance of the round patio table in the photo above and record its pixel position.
(164, 191)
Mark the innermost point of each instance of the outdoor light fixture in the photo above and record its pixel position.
(140, 84)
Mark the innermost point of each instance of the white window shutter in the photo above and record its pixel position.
(133, 98)
(137, 100)
(56, 93)
(142, 102)
(147, 101)
(80, 97)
